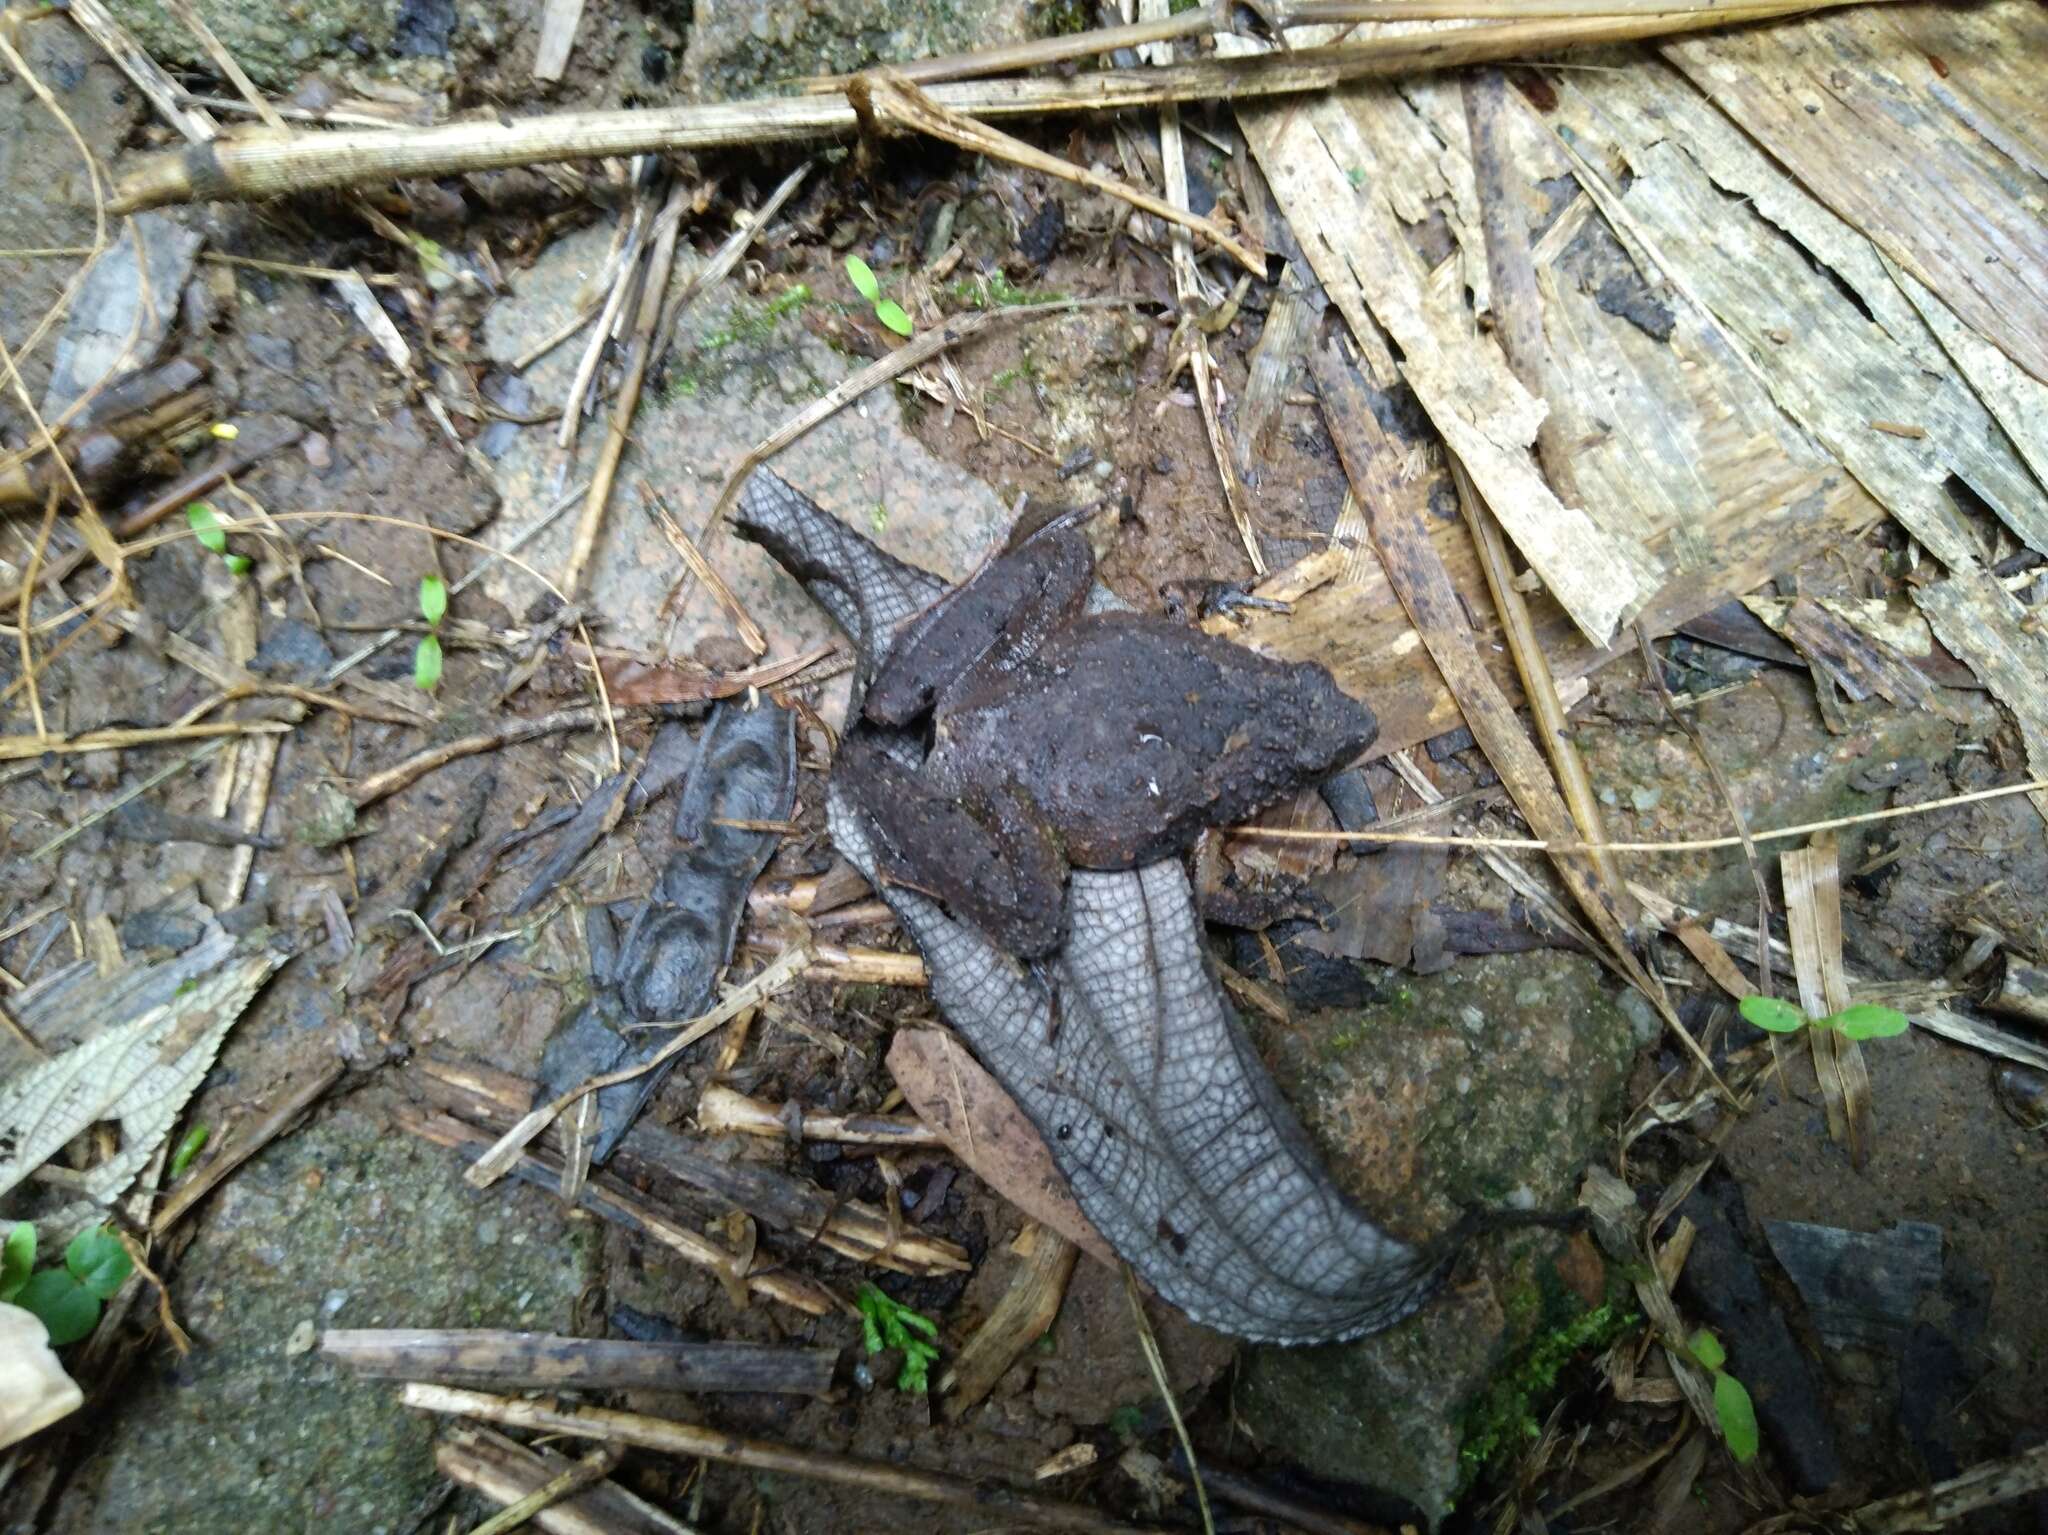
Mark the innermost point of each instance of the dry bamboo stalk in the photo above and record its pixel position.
(505, 1471)
(602, 1196)
(720, 1109)
(271, 166)
(882, 96)
(859, 966)
(653, 288)
(689, 1441)
(522, 1361)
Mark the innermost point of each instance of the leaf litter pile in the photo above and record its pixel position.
(470, 1059)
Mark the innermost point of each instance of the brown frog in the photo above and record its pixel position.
(1065, 739)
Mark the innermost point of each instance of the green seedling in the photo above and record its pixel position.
(887, 310)
(1731, 1398)
(188, 1148)
(205, 525)
(885, 1323)
(426, 661)
(66, 1299)
(1866, 1020)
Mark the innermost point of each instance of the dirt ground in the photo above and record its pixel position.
(347, 1221)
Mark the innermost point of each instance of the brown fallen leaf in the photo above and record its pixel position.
(986, 1130)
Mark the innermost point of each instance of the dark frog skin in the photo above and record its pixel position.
(1063, 739)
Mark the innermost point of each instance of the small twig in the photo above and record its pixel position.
(594, 1467)
(504, 733)
(494, 1163)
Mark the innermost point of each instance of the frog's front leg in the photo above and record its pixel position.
(988, 855)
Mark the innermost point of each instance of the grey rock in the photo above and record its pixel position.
(1488, 1083)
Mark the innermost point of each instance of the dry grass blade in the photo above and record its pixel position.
(498, 1160)
(1813, 917)
(1156, 1363)
(884, 97)
(1936, 1507)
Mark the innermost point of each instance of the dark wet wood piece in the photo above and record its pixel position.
(518, 1361)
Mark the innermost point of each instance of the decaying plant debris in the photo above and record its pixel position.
(430, 929)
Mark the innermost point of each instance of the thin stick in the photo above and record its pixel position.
(689, 1441)
(693, 558)
(497, 1161)
(721, 1109)
(1149, 1347)
(654, 283)
(594, 1467)
(1688, 845)
(505, 733)
(267, 1129)
(18, 748)
(304, 162)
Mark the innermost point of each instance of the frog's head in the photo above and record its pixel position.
(1333, 727)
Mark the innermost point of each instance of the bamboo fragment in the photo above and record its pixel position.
(522, 1361)
(668, 1436)
(720, 1110)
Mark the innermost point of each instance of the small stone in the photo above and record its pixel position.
(1609, 797)
(1473, 1019)
(301, 1341)
(1643, 1021)
(1645, 799)
(1531, 994)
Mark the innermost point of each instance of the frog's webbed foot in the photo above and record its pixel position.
(1154, 1105)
